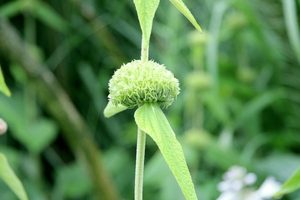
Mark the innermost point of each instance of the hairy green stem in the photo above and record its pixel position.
(139, 165)
(145, 49)
(141, 140)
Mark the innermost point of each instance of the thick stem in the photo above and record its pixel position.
(139, 165)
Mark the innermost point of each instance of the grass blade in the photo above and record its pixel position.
(290, 185)
(291, 21)
(10, 178)
(3, 87)
(186, 12)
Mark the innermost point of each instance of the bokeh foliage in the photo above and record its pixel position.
(239, 101)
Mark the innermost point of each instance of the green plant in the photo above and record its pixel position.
(6, 172)
(3, 87)
(149, 85)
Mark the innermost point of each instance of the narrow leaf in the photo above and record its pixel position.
(290, 185)
(3, 87)
(111, 110)
(152, 120)
(291, 21)
(7, 174)
(186, 12)
(146, 10)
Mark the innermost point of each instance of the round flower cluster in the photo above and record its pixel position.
(139, 82)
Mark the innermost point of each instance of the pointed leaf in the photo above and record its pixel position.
(290, 185)
(146, 10)
(291, 21)
(186, 12)
(111, 110)
(152, 120)
(10, 178)
(3, 87)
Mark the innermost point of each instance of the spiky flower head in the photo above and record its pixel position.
(139, 82)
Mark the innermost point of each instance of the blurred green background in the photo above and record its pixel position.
(239, 102)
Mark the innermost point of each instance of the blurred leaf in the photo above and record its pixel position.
(43, 131)
(156, 170)
(217, 108)
(3, 87)
(72, 181)
(291, 21)
(257, 104)
(111, 110)
(12, 8)
(146, 10)
(229, 156)
(11, 179)
(120, 165)
(26, 125)
(152, 120)
(42, 11)
(186, 12)
(290, 185)
(48, 16)
(13, 156)
(278, 163)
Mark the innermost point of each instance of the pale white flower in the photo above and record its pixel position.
(236, 178)
(237, 185)
(268, 188)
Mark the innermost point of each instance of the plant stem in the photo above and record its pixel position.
(145, 49)
(141, 139)
(139, 165)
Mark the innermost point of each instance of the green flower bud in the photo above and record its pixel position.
(138, 82)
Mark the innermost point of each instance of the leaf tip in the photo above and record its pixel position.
(110, 109)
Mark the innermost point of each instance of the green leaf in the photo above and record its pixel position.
(111, 110)
(10, 178)
(146, 10)
(186, 12)
(26, 124)
(152, 120)
(72, 181)
(3, 87)
(291, 21)
(44, 131)
(290, 185)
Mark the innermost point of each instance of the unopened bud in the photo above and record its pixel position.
(139, 82)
